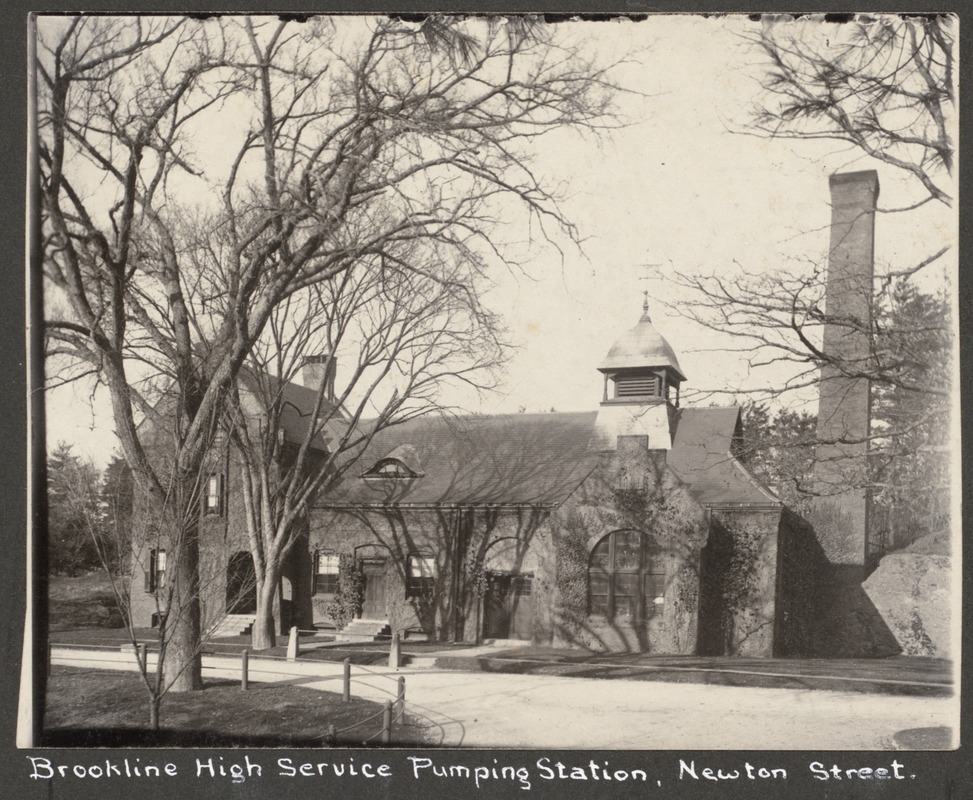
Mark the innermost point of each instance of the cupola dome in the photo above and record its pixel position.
(642, 347)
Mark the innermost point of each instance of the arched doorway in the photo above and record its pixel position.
(241, 584)
(508, 606)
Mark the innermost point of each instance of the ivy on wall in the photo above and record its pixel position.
(661, 508)
(350, 594)
(571, 578)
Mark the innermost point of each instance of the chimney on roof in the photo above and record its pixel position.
(317, 370)
(844, 406)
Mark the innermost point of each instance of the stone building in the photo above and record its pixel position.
(632, 527)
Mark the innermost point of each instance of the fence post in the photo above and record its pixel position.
(50, 656)
(293, 648)
(143, 656)
(347, 691)
(394, 652)
(401, 698)
(387, 723)
(332, 735)
(245, 670)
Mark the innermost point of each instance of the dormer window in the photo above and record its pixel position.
(400, 463)
(390, 468)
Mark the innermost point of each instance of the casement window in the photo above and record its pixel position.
(155, 575)
(325, 572)
(421, 580)
(214, 501)
(626, 577)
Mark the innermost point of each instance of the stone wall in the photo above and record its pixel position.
(632, 489)
(466, 545)
(802, 566)
(740, 576)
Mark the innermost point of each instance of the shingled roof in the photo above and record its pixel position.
(701, 456)
(535, 459)
(516, 459)
(297, 405)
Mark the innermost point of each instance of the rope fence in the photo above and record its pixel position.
(392, 713)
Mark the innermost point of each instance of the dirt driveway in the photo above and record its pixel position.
(477, 709)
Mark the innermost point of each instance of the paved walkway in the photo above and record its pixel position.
(477, 709)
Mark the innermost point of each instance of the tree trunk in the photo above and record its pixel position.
(154, 703)
(183, 628)
(264, 635)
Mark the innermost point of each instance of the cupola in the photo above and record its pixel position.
(641, 392)
(641, 366)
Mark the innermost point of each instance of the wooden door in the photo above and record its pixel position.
(241, 585)
(374, 604)
(496, 622)
(508, 610)
(521, 612)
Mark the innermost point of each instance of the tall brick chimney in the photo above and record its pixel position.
(318, 368)
(844, 406)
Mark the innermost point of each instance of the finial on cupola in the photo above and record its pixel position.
(645, 307)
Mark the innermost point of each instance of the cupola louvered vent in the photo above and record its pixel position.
(638, 385)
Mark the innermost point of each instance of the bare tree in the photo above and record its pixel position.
(116, 551)
(886, 86)
(882, 84)
(399, 334)
(332, 145)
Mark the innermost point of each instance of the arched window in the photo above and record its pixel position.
(626, 577)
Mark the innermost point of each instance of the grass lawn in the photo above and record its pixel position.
(362, 653)
(91, 708)
(83, 601)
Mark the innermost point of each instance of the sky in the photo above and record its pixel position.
(677, 187)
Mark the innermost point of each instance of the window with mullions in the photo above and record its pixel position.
(626, 577)
(325, 573)
(422, 576)
(213, 502)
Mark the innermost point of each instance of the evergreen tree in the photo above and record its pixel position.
(910, 476)
(117, 489)
(778, 448)
(74, 518)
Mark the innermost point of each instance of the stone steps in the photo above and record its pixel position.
(232, 625)
(364, 630)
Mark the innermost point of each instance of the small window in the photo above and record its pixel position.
(325, 573)
(155, 575)
(390, 468)
(214, 496)
(421, 580)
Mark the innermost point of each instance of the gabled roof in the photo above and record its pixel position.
(536, 459)
(297, 405)
(701, 456)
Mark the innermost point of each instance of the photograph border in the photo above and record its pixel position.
(937, 774)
